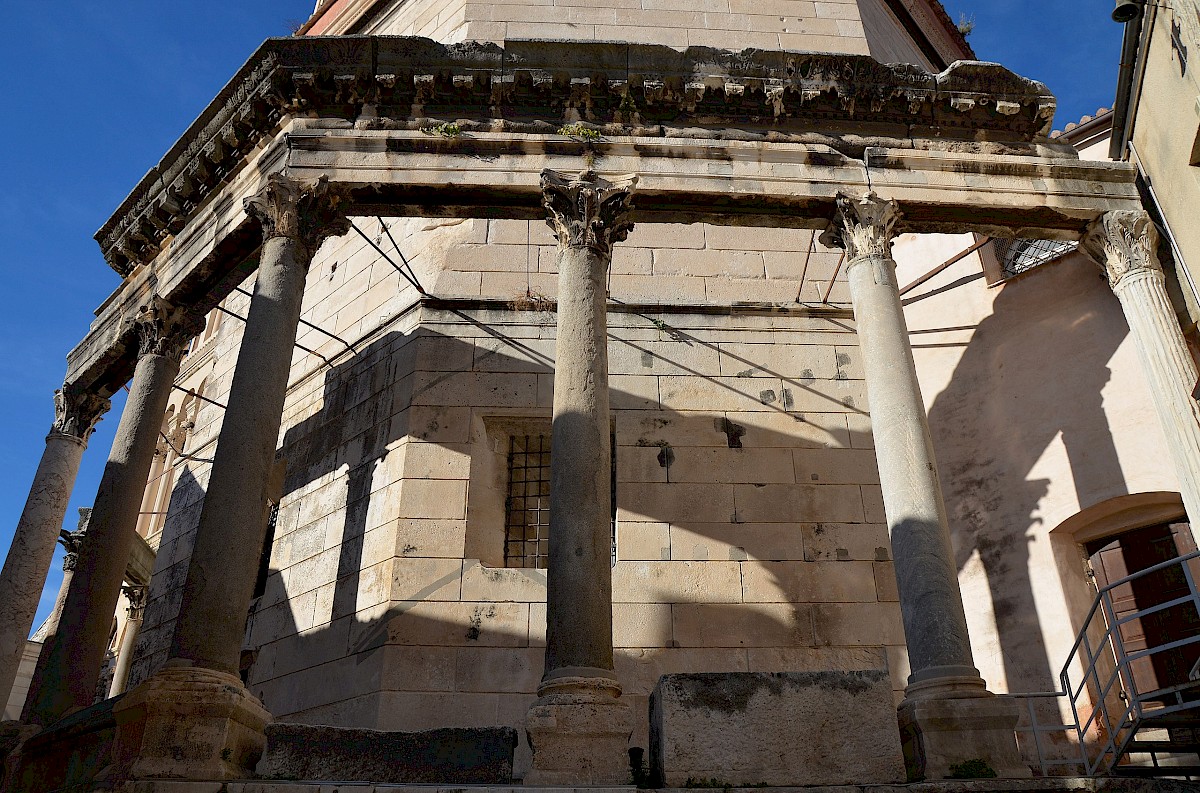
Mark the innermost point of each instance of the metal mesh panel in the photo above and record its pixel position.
(1019, 256)
(527, 506)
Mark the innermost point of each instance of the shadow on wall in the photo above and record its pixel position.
(1033, 371)
(442, 648)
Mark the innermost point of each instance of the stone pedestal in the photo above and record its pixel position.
(579, 728)
(938, 734)
(579, 731)
(189, 723)
(780, 729)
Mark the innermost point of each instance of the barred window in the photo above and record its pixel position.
(527, 503)
(1019, 256)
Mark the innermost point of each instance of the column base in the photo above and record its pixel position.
(947, 723)
(189, 723)
(579, 730)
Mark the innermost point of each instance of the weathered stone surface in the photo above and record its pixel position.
(188, 723)
(940, 733)
(73, 751)
(791, 728)
(476, 756)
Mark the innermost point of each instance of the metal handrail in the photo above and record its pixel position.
(1119, 732)
(1117, 726)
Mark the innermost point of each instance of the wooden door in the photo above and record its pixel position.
(1115, 558)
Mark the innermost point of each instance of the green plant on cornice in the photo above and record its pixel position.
(579, 132)
(445, 130)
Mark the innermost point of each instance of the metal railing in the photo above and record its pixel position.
(1032, 731)
(1118, 709)
(1117, 724)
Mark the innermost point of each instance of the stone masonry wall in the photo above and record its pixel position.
(750, 530)
(822, 26)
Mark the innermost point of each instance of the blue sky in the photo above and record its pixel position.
(96, 92)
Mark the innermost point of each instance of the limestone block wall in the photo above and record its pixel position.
(749, 524)
(823, 26)
(388, 604)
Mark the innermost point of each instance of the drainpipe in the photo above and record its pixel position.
(1122, 117)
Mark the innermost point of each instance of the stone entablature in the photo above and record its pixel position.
(536, 86)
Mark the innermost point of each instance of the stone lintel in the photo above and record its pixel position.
(545, 84)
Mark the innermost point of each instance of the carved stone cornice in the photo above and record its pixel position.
(164, 329)
(864, 227)
(529, 86)
(76, 413)
(588, 211)
(303, 210)
(1123, 243)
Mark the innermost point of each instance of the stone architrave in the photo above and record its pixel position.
(1125, 243)
(578, 727)
(197, 705)
(74, 656)
(948, 716)
(29, 556)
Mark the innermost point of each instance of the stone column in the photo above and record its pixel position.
(136, 597)
(200, 687)
(74, 656)
(29, 556)
(578, 727)
(71, 541)
(948, 716)
(1125, 244)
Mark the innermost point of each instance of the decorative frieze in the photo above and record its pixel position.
(536, 86)
(588, 211)
(302, 210)
(77, 412)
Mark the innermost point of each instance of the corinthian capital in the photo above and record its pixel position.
(587, 211)
(302, 210)
(164, 329)
(863, 226)
(1123, 243)
(76, 412)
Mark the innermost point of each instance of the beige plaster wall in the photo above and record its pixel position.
(1166, 134)
(1038, 409)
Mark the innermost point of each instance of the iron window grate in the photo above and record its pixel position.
(1020, 256)
(527, 505)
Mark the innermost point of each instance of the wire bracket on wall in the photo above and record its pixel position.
(409, 274)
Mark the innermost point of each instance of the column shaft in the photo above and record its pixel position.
(579, 584)
(133, 624)
(32, 549)
(935, 623)
(225, 558)
(1171, 374)
(74, 656)
(1125, 244)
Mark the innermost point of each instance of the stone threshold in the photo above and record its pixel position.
(1044, 785)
